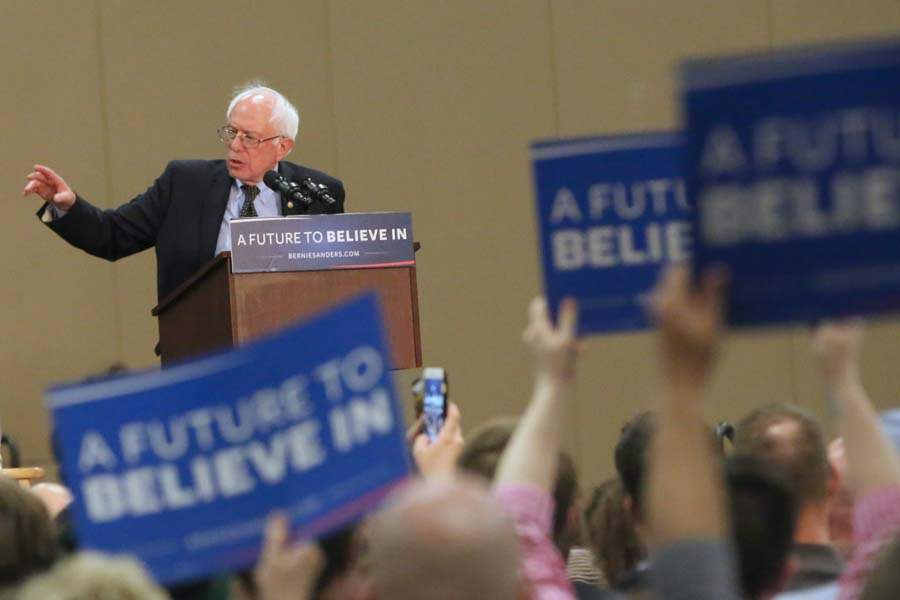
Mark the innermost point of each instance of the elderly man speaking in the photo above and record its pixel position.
(185, 213)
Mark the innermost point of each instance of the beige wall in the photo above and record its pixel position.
(424, 105)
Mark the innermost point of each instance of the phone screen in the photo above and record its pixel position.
(434, 400)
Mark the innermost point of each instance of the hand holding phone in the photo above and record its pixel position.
(434, 400)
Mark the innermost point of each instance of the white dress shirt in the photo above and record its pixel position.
(268, 204)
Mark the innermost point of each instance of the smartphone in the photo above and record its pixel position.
(434, 400)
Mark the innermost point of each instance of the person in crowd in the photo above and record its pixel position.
(441, 526)
(446, 536)
(873, 466)
(790, 440)
(762, 507)
(528, 468)
(28, 542)
(481, 454)
(688, 526)
(442, 538)
(611, 532)
(92, 576)
(630, 457)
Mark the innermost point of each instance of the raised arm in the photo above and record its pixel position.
(286, 571)
(532, 454)
(688, 523)
(872, 461)
(686, 499)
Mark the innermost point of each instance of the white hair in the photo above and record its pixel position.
(284, 115)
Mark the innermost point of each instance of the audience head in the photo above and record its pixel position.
(631, 455)
(763, 515)
(87, 576)
(611, 531)
(27, 536)
(444, 538)
(481, 455)
(790, 439)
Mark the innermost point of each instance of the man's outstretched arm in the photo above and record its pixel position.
(112, 233)
(51, 187)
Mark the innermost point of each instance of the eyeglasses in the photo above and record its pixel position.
(227, 134)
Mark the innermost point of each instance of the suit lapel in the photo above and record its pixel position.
(214, 203)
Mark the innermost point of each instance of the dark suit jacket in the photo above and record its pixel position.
(180, 214)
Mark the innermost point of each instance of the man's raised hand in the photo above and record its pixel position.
(47, 184)
(690, 320)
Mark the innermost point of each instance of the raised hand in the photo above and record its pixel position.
(438, 458)
(285, 571)
(555, 349)
(690, 321)
(837, 346)
(532, 454)
(47, 184)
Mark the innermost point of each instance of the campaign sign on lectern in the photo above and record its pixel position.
(314, 243)
(612, 212)
(181, 467)
(793, 164)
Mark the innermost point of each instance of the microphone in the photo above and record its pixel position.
(317, 190)
(286, 187)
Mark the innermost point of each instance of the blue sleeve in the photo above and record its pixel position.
(696, 570)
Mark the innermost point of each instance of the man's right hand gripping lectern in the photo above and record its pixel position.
(218, 308)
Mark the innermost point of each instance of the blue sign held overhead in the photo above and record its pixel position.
(793, 164)
(611, 212)
(181, 467)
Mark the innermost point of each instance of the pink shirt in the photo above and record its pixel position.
(542, 568)
(876, 521)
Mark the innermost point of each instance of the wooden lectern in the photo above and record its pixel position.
(217, 309)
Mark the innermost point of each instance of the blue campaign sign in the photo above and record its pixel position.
(181, 467)
(793, 164)
(611, 212)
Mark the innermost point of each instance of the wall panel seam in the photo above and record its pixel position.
(105, 141)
